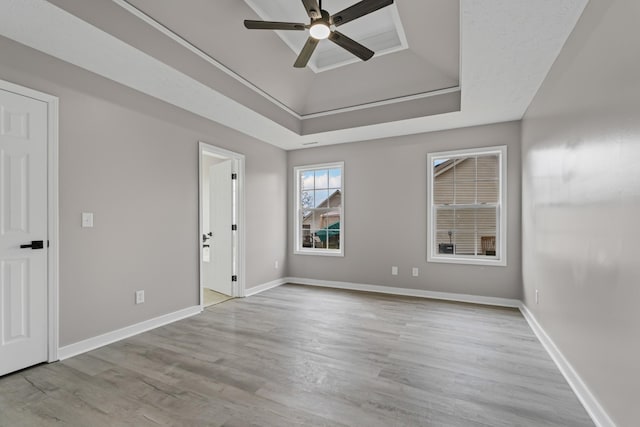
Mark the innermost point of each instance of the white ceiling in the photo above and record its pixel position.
(506, 50)
(261, 58)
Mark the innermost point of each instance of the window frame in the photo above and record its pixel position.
(500, 259)
(298, 249)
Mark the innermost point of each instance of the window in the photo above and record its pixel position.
(319, 201)
(467, 199)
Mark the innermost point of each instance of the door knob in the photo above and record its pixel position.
(35, 244)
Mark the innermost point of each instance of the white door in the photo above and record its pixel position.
(221, 220)
(23, 219)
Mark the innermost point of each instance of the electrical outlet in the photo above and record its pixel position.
(275, 264)
(87, 219)
(394, 270)
(139, 297)
(537, 297)
(415, 272)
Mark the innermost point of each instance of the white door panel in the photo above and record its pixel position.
(221, 212)
(23, 219)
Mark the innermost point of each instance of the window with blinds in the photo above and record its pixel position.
(465, 203)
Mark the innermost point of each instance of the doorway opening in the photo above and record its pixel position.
(221, 237)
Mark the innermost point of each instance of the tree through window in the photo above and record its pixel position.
(319, 209)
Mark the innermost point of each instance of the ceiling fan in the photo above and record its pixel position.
(322, 26)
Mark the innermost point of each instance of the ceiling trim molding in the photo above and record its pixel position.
(492, 70)
(194, 49)
(211, 60)
(383, 102)
(46, 27)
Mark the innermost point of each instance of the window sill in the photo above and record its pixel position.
(491, 262)
(321, 252)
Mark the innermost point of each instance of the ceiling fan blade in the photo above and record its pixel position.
(352, 46)
(270, 25)
(313, 8)
(359, 9)
(306, 53)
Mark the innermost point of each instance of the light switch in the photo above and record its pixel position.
(87, 219)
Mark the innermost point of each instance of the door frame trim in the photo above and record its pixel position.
(53, 230)
(240, 253)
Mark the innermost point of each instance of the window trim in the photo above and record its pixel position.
(501, 231)
(297, 249)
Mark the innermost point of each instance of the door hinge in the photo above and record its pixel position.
(234, 278)
(234, 227)
(234, 176)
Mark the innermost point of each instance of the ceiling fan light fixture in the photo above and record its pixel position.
(321, 27)
(319, 31)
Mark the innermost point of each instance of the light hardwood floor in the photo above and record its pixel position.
(298, 355)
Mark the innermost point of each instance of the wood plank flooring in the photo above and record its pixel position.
(299, 355)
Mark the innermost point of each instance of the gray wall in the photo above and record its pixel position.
(133, 162)
(386, 214)
(581, 204)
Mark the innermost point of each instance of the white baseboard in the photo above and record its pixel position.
(126, 332)
(590, 403)
(476, 299)
(265, 286)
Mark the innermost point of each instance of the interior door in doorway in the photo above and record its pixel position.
(23, 232)
(221, 220)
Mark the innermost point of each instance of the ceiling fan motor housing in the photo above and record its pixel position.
(320, 28)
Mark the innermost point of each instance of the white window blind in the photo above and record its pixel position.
(466, 202)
